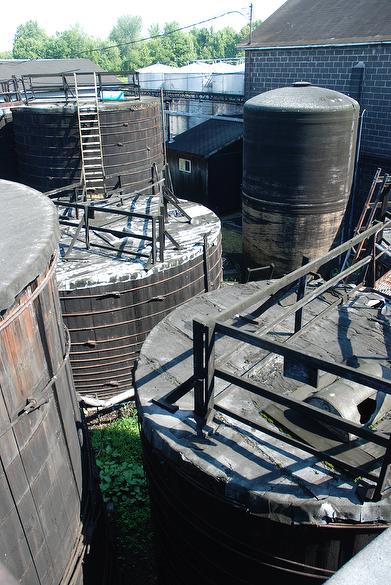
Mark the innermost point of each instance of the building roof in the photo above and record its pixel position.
(325, 22)
(19, 67)
(207, 138)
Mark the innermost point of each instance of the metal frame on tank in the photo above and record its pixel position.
(297, 364)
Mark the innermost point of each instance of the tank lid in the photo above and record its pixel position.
(29, 235)
(301, 84)
(302, 96)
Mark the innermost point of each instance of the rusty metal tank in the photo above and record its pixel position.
(48, 145)
(41, 539)
(298, 163)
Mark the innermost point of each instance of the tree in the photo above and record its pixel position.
(69, 44)
(107, 58)
(30, 41)
(225, 43)
(5, 54)
(203, 42)
(244, 32)
(125, 32)
(177, 46)
(155, 46)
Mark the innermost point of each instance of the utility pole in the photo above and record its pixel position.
(251, 24)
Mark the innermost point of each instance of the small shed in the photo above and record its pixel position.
(206, 164)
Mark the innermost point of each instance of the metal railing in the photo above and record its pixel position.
(9, 91)
(72, 197)
(60, 87)
(298, 365)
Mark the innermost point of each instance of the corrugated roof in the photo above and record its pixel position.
(325, 22)
(19, 67)
(207, 138)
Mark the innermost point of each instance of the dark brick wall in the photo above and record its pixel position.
(332, 67)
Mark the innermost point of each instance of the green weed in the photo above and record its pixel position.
(122, 481)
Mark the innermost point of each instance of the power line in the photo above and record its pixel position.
(160, 35)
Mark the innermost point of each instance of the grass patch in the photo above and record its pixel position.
(124, 488)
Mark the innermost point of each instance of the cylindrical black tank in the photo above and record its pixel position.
(41, 534)
(298, 163)
(8, 167)
(48, 145)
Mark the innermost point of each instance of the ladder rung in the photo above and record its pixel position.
(90, 144)
(92, 158)
(96, 180)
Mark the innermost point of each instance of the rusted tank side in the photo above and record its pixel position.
(41, 538)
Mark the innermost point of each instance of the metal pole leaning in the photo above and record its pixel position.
(204, 368)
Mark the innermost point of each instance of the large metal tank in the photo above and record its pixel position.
(236, 503)
(41, 535)
(8, 166)
(227, 78)
(48, 146)
(154, 76)
(298, 161)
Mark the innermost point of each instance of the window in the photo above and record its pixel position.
(185, 165)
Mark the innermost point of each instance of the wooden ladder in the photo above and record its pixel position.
(92, 169)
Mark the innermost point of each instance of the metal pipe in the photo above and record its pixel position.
(312, 266)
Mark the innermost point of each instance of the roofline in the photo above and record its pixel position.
(209, 154)
(313, 45)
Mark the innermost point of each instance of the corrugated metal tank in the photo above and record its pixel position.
(227, 78)
(41, 540)
(298, 161)
(154, 76)
(48, 146)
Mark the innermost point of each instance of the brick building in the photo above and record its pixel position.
(341, 44)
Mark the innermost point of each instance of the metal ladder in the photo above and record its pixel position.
(375, 206)
(92, 169)
(375, 209)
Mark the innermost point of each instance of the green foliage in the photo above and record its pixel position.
(71, 43)
(174, 47)
(107, 58)
(124, 33)
(177, 47)
(122, 480)
(29, 41)
(244, 33)
(5, 54)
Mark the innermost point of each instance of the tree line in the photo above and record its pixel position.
(124, 49)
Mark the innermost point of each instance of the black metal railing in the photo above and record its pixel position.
(72, 197)
(10, 91)
(60, 87)
(297, 364)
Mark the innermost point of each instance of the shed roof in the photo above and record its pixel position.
(320, 22)
(207, 138)
(19, 67)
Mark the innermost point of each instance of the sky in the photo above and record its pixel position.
(98, 18)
